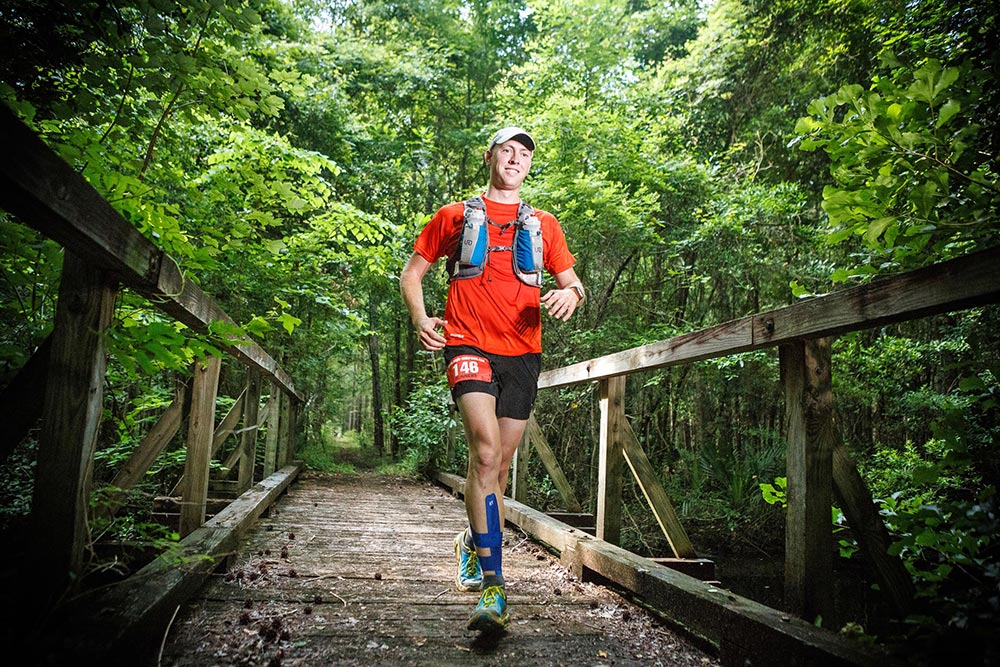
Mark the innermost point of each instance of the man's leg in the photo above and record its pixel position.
(484, 505)
(482, 432)
(511, 431)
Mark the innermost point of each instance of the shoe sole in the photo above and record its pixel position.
(489, 624)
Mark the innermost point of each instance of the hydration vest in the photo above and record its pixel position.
(473, 249)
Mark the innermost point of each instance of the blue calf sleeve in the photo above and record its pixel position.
(492, 539)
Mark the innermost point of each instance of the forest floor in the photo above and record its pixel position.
(358, 570)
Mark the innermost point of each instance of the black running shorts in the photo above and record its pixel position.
(513, 381)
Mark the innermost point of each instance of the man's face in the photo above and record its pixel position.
(509, 164)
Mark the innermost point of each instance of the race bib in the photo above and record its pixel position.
(469, 367)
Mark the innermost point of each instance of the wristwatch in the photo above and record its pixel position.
(578, 290)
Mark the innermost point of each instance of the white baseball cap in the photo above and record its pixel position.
(512, 132)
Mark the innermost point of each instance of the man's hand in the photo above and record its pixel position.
(427, 333)
(560, 303)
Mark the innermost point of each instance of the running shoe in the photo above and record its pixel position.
(470, 573)
(490, 616)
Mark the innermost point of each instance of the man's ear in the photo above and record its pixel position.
(486, 157)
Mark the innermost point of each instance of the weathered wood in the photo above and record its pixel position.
(143, 457)
(248, 438)
(866, 523)
(583, 520)
(176, 295)
(228, 423)
(289, 415)
(21, 400)
(124, 622)
(266, 416)
(721, 340)
(173, 504)
(657, 498)
(220, 435)
(48, 194)
(702, 569)
(945, 287)
(609, 471)
(224, 487)
(519, 469)
(71, 419)
(533, 431)
(273, 412)
(805, 371)
(234, 457)
(194, 490)
(337, 586)
(747, 631)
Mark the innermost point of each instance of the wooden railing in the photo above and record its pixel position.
(62, 383)
(819, 466)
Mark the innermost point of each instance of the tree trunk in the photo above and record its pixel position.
(378, 434)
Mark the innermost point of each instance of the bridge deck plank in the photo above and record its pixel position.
(358, 571)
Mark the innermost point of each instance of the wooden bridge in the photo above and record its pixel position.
(125, 622)
(359, 570)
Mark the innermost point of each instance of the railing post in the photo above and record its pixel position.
(194, 492)
(71, 418)
(289, 420)
(282, 423)
(248, 439)
(519, 471)
(273, 429)
(609, 474)
(805, 372)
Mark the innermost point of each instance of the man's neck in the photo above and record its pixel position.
(503, 196)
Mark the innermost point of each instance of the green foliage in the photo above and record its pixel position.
(29, 270)
(912, 180)
(950, 549)
(777, 494)
(421, 428)
(942, 517)
(18, 474)
(322, 457)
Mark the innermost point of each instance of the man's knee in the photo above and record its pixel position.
(485, 461)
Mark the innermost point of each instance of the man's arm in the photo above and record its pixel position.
(561, 302)
(411, 287)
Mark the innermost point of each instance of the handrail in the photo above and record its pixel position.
(953, 285)
(48, 194)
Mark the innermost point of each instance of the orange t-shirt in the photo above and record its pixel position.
(493, 311)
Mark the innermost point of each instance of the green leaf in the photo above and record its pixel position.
(275, 246)
(950, 108)
(798, 291)
(876, 228)
(926, 474)
(289, 322)
(972, 383)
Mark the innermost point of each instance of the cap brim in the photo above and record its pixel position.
(509, 133)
